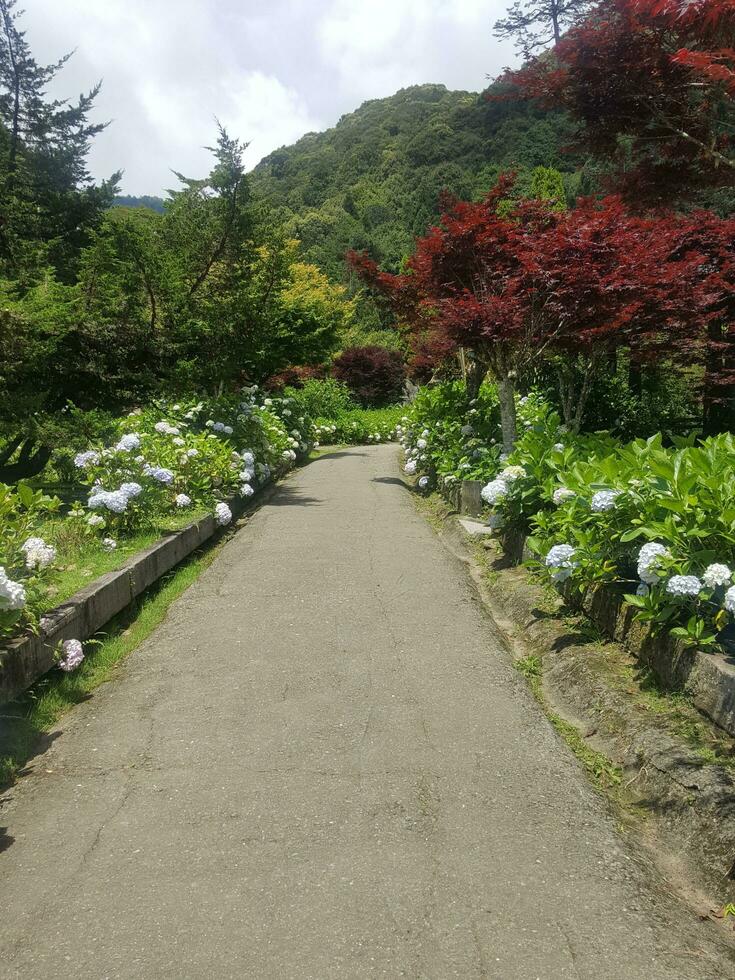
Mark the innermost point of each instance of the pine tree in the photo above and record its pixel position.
(48, 202)
(535, 24)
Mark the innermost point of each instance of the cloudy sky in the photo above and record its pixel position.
(271, 70)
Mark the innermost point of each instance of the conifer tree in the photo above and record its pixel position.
(535, 24)
(48, 202)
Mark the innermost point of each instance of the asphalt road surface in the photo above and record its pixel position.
(323, 765)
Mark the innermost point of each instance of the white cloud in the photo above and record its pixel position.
(270, 72)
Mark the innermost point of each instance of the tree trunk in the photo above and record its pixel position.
(31, 461)
(635, 377)
(15, 126)
(506, 397)
(475, 375)
(718, 403)
(554, 11)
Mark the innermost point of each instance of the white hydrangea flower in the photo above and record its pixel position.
(729, 600)
(131, 490)
(191, 453)
(410, 467)
(421, 443)
(165, 429)
(424, 483)
(494, 491)
(246, 475)
(511, 473)
(84, 460)
(181, 500)
(228, 430)
(72, 655)
(246, 490)
(715, 575)
(562, 494)
(559, 559)
(684, 585)
(128, 443)
(559, 447)
(12, 594)
(178, 441)
(222, 514)
(160, 474)
(38, 553)
(112, 500)
(95, 520)
(109, 544)
(604, 500)
(648, 561)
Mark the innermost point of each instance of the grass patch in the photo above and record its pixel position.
(81, 557)
(434, 508)
(605, 774)
(26, 721)
(603, 771)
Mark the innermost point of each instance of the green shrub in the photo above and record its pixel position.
(360, 426)
(24, 557)
(325, 399)
(593, 502)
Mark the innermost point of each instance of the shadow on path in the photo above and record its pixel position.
(291, 496)
(336, 454)
(393, 481)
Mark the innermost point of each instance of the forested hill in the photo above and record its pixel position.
(374, 180)
(147, 201)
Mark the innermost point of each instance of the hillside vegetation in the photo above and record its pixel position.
(374, 181)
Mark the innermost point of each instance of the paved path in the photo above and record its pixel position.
(322, 765)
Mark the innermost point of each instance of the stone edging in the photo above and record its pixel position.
(27, 658)
(707, 677)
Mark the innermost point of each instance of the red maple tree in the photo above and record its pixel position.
(651, 84)
(511, 283)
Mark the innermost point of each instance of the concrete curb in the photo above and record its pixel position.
(27, 658)
(707, 677)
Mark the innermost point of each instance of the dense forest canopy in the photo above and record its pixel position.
(374, 181)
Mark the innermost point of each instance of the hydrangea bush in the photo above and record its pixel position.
(446, 435)
(659, 520)
(25, 558)
(358, 427)
(160, 460)
(187, 454)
